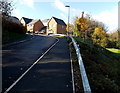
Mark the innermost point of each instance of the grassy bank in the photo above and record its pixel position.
(10, 36)
(102, 67)
(115, 51)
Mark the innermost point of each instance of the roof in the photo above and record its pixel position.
(44, 28)
(45, 22)
(27, 20)
(33, 22)
(59, 21)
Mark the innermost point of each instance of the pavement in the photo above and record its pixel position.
(17, 58)
(52, 74)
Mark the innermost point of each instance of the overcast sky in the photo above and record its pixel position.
(106, 12)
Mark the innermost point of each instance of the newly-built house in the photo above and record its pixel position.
(35, 26)
(56, 26)
(44, 29)
(47, 26)
(25, 21)
(31, 24)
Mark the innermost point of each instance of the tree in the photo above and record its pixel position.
(118, 43)
(99, 37)
(85, 26)
(114, 39)
(6, 7)
(82, 25)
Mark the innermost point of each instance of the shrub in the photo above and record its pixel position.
(13, 27)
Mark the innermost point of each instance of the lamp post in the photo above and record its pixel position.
(68, 17)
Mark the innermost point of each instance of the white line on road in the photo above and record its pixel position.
(31, 67)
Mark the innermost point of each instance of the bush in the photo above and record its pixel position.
(111, 44)
(118, 45)
(102, 67)
(13, 27)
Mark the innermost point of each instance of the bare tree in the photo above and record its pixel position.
(6, 7)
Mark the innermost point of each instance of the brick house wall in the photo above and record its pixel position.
(61, 29)
(37, 26)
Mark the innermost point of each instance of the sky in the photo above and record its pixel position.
(105, 11)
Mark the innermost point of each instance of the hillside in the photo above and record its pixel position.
(102, 67)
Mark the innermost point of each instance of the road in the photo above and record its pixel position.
(16, 59)
(52, 74)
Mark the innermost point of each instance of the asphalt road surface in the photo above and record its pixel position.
(17, 58)
(52, 74)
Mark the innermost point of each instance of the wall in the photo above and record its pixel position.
(61, 29)
(37, 26)
(30, 27)
(52, 27)
(22, 21)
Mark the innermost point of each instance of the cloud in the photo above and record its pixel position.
(60, 5)
(64, 16)
(110, 18)
(16, 12)
(29, 3)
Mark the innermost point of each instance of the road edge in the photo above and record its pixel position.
(17, 42)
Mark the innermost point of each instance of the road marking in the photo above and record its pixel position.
(31, 66)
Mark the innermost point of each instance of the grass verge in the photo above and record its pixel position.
(102, 67)
(76, 71)
(10, 36)
(115, 51)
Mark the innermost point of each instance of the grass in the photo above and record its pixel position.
(10, 36)
(116, 51)
(113, 50)
(102, 67)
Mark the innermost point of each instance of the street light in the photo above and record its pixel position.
(68, 16)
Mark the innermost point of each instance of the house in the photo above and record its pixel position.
(25, 21)
(31, 24)
(45, 22)
(44, 29)
(56, 26)
(35, 26)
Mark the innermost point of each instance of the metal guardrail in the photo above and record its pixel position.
(85, 81)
